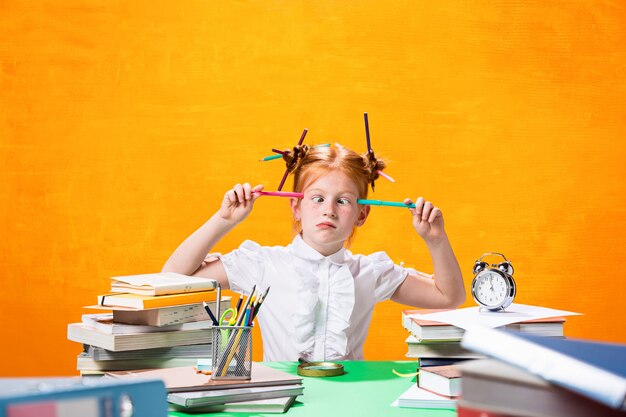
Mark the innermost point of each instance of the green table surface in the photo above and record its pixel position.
(366, 389)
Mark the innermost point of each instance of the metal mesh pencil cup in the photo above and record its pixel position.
(232, 353)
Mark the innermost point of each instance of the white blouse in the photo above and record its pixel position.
(319, 307)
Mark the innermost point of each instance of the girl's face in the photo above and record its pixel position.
(329, 212)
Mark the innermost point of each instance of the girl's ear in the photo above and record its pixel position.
(365, 211)
(295, 208)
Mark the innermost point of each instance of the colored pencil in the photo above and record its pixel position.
(279, 194)
(385, 175)
(359, 201)
(282, 182)
(385, 203)
(270, 158)
(261, 301)
(367, 133)
(280, 153)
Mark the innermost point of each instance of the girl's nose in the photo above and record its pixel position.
(329, 211)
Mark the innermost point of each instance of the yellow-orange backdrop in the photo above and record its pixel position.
(122, 124)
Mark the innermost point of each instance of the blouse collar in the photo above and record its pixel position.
(302, 249)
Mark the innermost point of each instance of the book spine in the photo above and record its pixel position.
(553, 366)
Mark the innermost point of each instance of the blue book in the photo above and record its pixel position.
(594, 369)
(89, 397)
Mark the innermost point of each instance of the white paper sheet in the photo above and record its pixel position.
(473, 316)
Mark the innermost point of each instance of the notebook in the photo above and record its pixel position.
(184, 379)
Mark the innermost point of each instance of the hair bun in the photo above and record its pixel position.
(373, 166)
(295, 156)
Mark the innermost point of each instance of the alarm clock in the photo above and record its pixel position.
(493, 287)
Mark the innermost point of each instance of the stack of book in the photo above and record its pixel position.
(435, 343)
(535, 376)
(158, 321)
(268, 390)
(437, 387)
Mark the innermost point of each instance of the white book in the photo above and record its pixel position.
(437, 349)
(85, 363)
(273, 405)
(165, 316)
(443, 380)
(79, 332)
(186, 351)
(104, 323)
(221, 396)
(161, 283)
(416, 397)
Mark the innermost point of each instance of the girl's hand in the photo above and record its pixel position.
(238, 202)
(427, 220)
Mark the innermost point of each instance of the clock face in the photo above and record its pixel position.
(491, 288)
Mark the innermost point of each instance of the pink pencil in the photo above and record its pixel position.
(280, 194)
(385, 175)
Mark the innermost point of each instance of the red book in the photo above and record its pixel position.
(464, 411)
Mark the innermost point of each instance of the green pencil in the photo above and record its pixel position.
(279, 155)
(385, 203)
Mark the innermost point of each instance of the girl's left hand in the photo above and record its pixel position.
(427, 220)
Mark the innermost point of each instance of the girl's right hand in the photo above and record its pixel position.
(238, 202)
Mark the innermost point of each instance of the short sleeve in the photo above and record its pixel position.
(388, 275)
(244, 266)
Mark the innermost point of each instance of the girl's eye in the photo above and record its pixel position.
(318, 199)
(343, 201)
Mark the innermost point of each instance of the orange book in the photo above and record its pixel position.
(141, 302)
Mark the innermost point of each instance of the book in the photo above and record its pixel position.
(162, 316)
(465, 411)
(442, 380)
(230, 395)
(79, 332)
(430, 330)
(497, 387)
(273, 405)
(161, 283)
(185, 379)
(167, 316)
(186, 351)
(71, 396)
(85, 363)
(104, 323)
(416, 397)
(434, 330)
(141, 302)
(593, 369)
(427, 362)
(438, 349)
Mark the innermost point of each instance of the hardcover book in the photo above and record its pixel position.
(442, 380)
(497, 387)
(141, 302)
(423, 329)
(592, 369)
(161, 283)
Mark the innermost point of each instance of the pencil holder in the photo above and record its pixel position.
(232, 353)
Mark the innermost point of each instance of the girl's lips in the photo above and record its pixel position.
(326, 226)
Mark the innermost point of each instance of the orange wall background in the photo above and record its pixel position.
(123, 123)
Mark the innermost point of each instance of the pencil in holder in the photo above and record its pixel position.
(232, 353)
